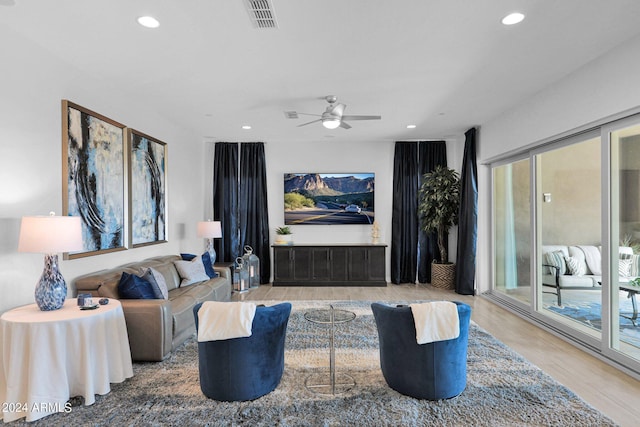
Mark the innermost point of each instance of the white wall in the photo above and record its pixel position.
(32, 86)
(607, 86)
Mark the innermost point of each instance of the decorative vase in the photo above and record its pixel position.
(283, 239)
(51, 290)
(443, 275)
(375, 232)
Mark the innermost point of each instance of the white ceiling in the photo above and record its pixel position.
(443, 65)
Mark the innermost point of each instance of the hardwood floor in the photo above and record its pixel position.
(604, 387)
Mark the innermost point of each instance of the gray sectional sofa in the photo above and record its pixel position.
(157, 326)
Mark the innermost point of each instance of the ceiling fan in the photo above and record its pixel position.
(334, 116)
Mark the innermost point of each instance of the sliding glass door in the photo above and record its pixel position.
(569, 200)
(566, 237)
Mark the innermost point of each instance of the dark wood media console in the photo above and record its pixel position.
(329, 265)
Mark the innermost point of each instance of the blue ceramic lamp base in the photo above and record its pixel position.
(51, 290)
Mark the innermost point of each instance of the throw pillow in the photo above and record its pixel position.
(187, 257)
(134, 287)
(624, 267)
(556, 259)
(191, 271)
(206, 260)
(576, 266)
(157, 282)
(635, 265)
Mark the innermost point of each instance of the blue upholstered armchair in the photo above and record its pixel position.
(242, 369)
(433, 371)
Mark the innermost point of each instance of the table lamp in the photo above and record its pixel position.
(50, 235)
(210, 230)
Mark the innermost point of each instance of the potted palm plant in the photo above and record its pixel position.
(438, 204)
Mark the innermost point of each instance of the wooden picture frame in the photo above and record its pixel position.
(147, 189)
(94, 174)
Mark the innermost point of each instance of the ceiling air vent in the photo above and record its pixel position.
(261, 13)
(291, 114)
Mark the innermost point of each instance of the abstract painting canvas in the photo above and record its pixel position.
(94, 178)
(148, 162)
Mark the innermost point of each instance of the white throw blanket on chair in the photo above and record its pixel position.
(225, 320)
(435, 321)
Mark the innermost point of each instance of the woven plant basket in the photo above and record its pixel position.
(443, 275)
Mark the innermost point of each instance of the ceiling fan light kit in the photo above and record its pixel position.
(333, 117)
(331, 123)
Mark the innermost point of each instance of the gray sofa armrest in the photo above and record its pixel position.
(223, 272)
(556, 272)
(149, 325)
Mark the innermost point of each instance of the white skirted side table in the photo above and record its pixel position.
(333, 383)
(50, 356)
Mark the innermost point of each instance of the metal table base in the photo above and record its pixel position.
(330, 383)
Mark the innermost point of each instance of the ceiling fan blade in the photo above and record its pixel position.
(309, 114)
(344, 125)
(361, 117)
(315, 121)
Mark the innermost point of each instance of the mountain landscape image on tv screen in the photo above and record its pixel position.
(328, 198)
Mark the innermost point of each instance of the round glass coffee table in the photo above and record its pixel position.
(334, 383)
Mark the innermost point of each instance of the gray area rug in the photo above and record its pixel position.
(503, 389)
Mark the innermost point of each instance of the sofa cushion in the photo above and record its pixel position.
(553, 248)
(206, 262)
(202, 292)
(593, 257)
(556, 259)
(208, 268)
(157, 281)
(568, 281)
(191, 271)
(181, 311)
(134, 287)
(635, 265)
(576, 266)
(624, 267)
(577, 254)
(170, 274)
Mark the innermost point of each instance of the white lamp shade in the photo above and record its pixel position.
(209, 229)
(50, 234)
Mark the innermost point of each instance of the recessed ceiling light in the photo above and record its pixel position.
(246, 127)
(411, 126)
(148, 21)
(513, 18)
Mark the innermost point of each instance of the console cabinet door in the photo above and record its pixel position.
(283, 264)
(321, 264)
(339, 265)
(376, 263)
(358, 264)
(302, 258)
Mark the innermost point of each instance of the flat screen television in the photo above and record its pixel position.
(329, 198)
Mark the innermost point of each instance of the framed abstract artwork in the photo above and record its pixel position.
(147, 189)
(93, 178)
